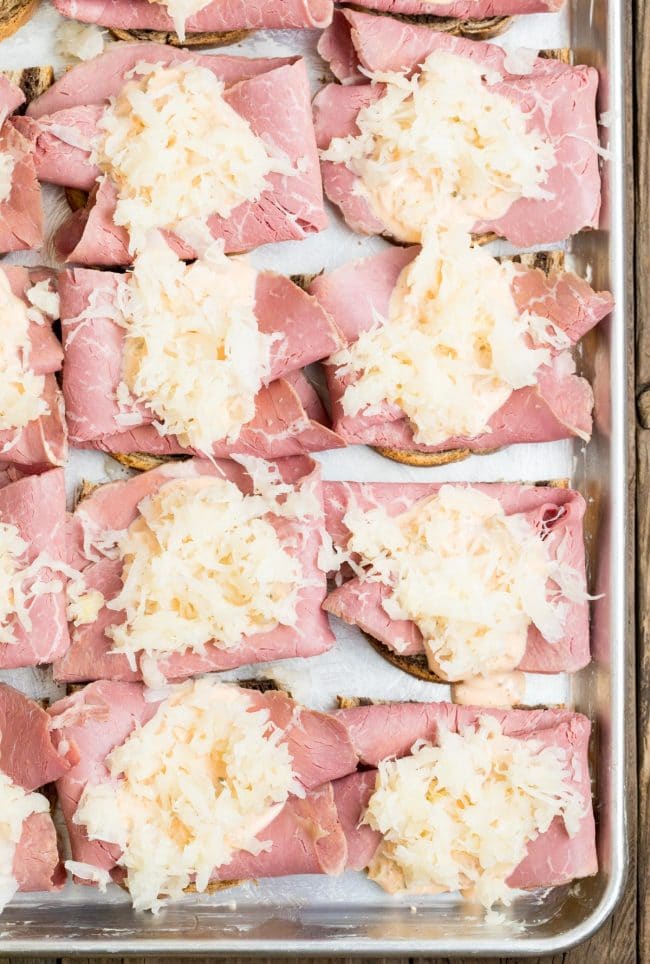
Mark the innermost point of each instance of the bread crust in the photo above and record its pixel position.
(170, 37)
(33, 81)
(14, 14)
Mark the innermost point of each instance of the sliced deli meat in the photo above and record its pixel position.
(481, 579)
(249, 775)
(29, 856)
(21, 211)
(450, 349)
(33, 570)
(169, 140)
(466, 798)
(512, 144)
(199, 359)
(188, 17)
(33, 433)
(197, 566)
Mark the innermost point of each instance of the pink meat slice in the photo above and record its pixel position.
(43, 442)
(115, 506)
(37, 865)
(306, 837)
(28, 754)
(217, 15)
(559, 101)
(382, 731)
(21, 213)
(94, 349)
(351, 795)
(36, 506)
(11, 97)
(559, 406)
(291, 208)
(557, 513)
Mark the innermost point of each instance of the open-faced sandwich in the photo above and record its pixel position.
(212, 783)
(201, 359)
(33, 432)
(21, 211)
(168, 139)
(33, 569)
(194, 22)
(485, 802)
(196, 566)
(463, 583)
(209, 783)
(423, 118)
(452, 351)
(29, 853)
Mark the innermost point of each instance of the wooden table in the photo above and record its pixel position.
(625, 938)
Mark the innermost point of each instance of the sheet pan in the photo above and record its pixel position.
(349, 915)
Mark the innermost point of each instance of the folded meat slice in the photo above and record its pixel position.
(65, 119)
(35, 505)
(113, 507)
(21, 211)
(560, 512)
(305, 836)
(215, 15)
(558, 100)
(559, 406)
(389, 730)
(29, 758)
(42, 442)
(284, 423)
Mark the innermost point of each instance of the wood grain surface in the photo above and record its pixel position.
(625, 938)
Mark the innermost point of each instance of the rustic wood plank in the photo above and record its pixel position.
(642, 294)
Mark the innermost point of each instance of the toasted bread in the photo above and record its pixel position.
(13, 14)
(208, 39)
(76, 198)
(482, 29)
(546, 261)
(417, 665)
(142, 461)
(33, 81)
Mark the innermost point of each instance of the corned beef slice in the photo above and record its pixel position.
(114, 507)
(215, 16)
(43, 442)
(387, 730)
(29, 758)
(306, 836)
(561, 512)
(35, 504)
(272, 95)
(21, 213)
(285, 422)
(559, 99)
(358, 293)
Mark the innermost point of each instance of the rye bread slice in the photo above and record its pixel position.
(546, 261)
(33, 81)
(15, 13)
(170, 37)
(481, 29)
(417, 665)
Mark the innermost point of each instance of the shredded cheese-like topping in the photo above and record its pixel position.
(442, 133)
(193, 352)
(79, 41)
(181, 10)
(21, 390)
(459, 816)
(203, 563)
(198, 782)
(471, 578)
(454, 346)
(7, 164)
(16, 804)
(176, 150)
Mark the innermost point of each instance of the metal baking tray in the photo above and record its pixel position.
(350, 915)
